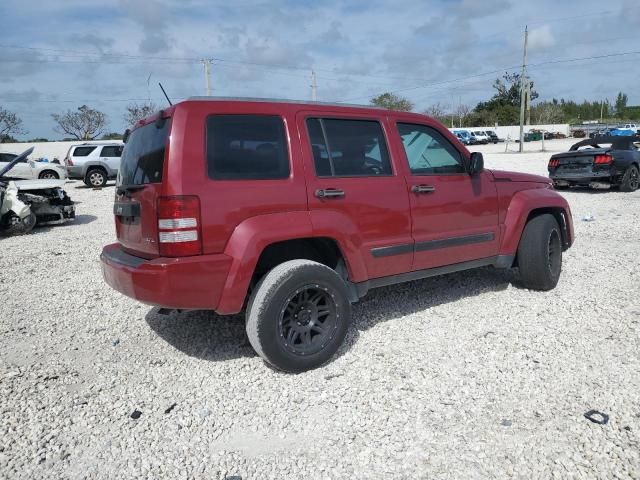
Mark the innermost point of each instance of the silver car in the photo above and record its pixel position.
(30, 169)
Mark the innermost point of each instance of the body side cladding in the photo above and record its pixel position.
(251, 237)
(522, 205)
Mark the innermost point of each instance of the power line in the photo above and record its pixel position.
(504, 69)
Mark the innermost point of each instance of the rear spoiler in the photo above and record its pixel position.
(618, 142)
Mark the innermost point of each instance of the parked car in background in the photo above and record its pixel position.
(94, 163)
(29, 169)
(622, 132)
(293, 211)
(463, 136)
(493, 136)
(579, 133)
(478, 138)
(603, 162)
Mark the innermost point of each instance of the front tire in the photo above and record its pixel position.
(630, 180)
(14, 225)
(540, 253)
(96, 178)
(298, 315)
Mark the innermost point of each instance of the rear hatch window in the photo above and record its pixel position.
(139, 185)
(143, 155)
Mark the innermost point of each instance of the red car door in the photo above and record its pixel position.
(454, 214)
(354, 191)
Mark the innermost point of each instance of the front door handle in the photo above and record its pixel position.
(329, 193)
(423, 189)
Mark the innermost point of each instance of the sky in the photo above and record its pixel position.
(60, 54)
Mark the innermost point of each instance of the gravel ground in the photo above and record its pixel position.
(462, 376)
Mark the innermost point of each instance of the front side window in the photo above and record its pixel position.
(348, 148)
(246, 147)
(428, 152)
(112, 151)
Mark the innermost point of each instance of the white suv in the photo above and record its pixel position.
(94, 162)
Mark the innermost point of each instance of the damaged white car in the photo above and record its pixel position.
(27, 203)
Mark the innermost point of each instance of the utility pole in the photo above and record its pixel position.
(314, 87)
(528, 104)
(207, 74)
(601, 109)
(523, 79)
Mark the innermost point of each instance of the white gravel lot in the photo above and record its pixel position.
(462, 376)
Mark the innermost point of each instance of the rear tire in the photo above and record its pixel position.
(540, 253)
(560, 187)
(298, 315)
(630, 180)
(48, 175)
(96, 178)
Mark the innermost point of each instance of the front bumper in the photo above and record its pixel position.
(194, 283)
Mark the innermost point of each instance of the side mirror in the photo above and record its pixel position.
(476, 163)
(125, 137)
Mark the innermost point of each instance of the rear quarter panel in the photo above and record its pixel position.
(225, 204)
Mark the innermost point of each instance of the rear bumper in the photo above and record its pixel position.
(181, 283)
(585, 177)
(75, 171)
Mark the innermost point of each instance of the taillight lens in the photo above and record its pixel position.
(179, 232)
(603, 159)
(69, 162)
(554, 163)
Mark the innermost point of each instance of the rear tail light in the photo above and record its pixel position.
(69, 161)
(554, 163)
(179, 232)
(603, 159)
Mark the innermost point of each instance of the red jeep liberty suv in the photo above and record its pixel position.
(295, 210)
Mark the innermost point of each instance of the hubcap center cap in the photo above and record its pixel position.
(305, 315)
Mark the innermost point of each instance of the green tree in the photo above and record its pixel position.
(621, 104)
(504, 106)
(392, 101)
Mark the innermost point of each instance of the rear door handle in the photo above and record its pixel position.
(329, 193)
(423, 189)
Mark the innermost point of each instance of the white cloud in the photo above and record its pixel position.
(541, 38)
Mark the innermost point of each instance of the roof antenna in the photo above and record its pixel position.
(165, 93)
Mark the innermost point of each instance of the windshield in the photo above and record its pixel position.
(143, 155)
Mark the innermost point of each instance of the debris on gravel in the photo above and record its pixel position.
(462, 376)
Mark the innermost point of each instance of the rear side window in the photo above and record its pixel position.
(246, 147)
(348, 148)
(143, 155)
(428, 152)
(83, 151)
(111, 151)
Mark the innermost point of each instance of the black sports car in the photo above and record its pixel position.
(601, 162)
